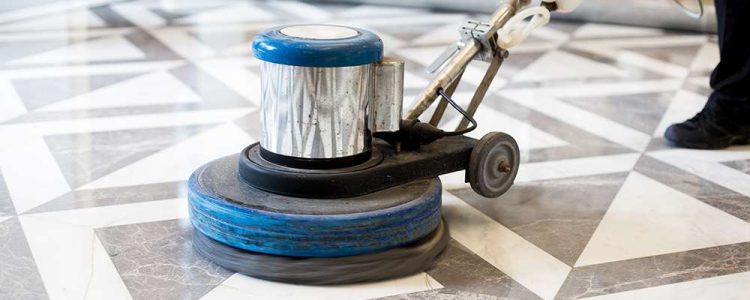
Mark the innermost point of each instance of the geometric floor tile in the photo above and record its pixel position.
(39, 92)
(556, 65)
(732, 286)
(108, 106)
(6, 205)
(460, 269)
(239, 286)
(19, 278)
(739, 165)
(648, 218)
(557, 215)
(85, 157)
(177, 161)
(656, 270)
(104, 49)
(156, 260)
(162, 89)
(640, 111)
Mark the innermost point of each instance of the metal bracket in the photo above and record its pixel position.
(480, 31)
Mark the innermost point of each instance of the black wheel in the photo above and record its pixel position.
(493, 164)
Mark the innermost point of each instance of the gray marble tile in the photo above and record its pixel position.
(679, 55)
(558, 215)
(461, 270)
(658, 270)
(634, 72)
(250, 123)
(582, 143)
(445, 294)
(19, 49)
(114, 196)
(739, 165)
(85, 157)
(642, 112)
(109, 16)
(39, 92)
(156, 260)
(150, 46)
(19, 278)
(215, 94)
(6, 204)
(712, 194)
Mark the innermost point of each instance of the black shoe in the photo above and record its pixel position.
(705, 131)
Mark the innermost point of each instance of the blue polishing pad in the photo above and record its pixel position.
(230, 211)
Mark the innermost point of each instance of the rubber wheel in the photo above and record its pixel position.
(493, 164)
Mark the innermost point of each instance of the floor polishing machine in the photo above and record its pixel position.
(342, 186)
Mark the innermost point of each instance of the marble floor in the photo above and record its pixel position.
(106, 107)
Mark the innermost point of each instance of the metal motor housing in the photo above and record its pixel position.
(324, 90)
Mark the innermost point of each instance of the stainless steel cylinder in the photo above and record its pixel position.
(387, 102)
(315, 112)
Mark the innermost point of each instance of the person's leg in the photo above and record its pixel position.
(725, 120)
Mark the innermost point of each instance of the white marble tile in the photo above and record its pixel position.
(217, 116)
(150, 89)
(706, 165)
(235, 75)
(90, 70)
(527, 136)
(728, 287)
(556, 65)
(3, 218)
(593, 89)
(442, 35)
(707, 58)
(595, 30)
(64, 36)
(626, 57)
(179, 161)
(47, 9)
(11, 105)
(138, 14)
(104, 49)
(182, 43)
(523, 261)
(241, 12)
(72, 261)
(655, 41)
(683, 106)
(369, 11)
(648, 218)
(69, 20)
(577, 167)
(30, 171)
(242, 287)
(585, 120)
(308, 12)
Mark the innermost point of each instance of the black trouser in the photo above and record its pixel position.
(731, 78)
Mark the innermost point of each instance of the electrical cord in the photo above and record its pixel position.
(462, 112)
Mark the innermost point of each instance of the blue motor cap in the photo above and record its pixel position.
(314, 45)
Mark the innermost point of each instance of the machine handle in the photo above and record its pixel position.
(511, 34)
(460, 59)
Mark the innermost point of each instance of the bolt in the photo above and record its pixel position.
(504, 167)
